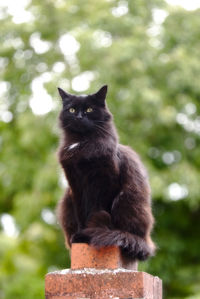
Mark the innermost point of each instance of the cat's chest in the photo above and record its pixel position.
(97, 171)
(96, 166)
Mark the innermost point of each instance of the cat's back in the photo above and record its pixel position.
(131, 163)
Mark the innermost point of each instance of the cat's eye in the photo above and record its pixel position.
(88, 110)
(71, 110)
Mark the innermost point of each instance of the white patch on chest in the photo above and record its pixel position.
(73, 146)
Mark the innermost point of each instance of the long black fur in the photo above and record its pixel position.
(108, 199)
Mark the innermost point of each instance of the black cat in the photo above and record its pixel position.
(108, 199)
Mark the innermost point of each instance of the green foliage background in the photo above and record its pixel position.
(153, 74)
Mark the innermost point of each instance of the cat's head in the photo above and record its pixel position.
(84, 114)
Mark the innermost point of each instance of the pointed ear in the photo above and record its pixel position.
(64, 95)
(101, 94)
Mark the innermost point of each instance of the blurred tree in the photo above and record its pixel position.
(149, 56)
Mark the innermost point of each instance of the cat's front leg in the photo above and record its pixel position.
(67, 216)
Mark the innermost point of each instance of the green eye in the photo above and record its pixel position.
(71, 110)
(89, 110)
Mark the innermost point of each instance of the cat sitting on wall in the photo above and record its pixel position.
(108, 200)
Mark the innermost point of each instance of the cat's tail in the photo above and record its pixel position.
(131, 245)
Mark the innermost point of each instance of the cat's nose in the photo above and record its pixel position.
(79, 115)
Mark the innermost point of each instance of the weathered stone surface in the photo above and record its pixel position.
(101, 274)
(104, 284)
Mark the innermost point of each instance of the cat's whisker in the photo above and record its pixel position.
(103, 130)
(99, 129)
(100, 121)
(65, 127)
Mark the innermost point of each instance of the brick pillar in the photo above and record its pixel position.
(101, 274)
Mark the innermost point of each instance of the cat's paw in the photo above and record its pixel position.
(80, 237)
(100, 219)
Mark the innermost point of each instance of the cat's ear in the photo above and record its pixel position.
(100, 96)
(64, 95)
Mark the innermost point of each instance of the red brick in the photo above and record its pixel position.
(102, 284)
(101, 274)
(85, 256)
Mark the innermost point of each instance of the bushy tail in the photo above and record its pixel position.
(132, 246)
